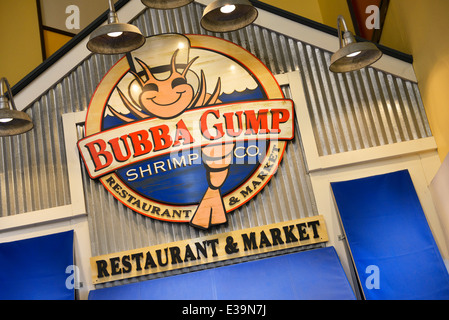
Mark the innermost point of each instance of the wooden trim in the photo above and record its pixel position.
(383, 14)
(353, 17)
(41, 31)
(351, 158)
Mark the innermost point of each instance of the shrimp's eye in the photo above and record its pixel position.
(151, 87)
(177, 82)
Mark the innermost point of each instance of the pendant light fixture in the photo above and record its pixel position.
(352, 55)
(228, 15)
(12, 121)
(115, 37)
(165, 4)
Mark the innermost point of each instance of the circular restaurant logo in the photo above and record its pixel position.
(186, 129)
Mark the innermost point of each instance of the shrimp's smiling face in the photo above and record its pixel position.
(165, 98)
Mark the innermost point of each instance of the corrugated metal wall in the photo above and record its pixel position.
(362, 109)
(33, 166)
(349, 112)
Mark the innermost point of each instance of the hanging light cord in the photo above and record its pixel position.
(8, 88)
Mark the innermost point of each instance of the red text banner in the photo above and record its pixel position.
(122, 146)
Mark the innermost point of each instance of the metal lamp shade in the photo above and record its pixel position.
(341, 61)
(20, 123)
(352, 55)
(165, 4)
(12, 121)
(216, 21)
(130, 39)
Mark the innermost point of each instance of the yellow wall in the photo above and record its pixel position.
(393, 33)
(322, 11)
(423, 27)
(20, 50)
(54, 41)
(331, 9)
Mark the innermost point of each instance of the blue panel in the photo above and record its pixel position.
(191, 286)
(309, 275)
(315, 274)
(35, 268)
(322, 277)
(386, 228)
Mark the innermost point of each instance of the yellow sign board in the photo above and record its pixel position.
(208, 249)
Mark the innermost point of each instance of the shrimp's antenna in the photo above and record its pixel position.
(188, 67)
(146, 69)
(173, 62)
(138, 78)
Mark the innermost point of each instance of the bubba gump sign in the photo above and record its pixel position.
(186, 129)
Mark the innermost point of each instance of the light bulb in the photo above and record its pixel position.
(227, 8)
(352, 55)
(115, 34)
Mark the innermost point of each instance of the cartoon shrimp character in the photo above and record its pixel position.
(169, 98)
